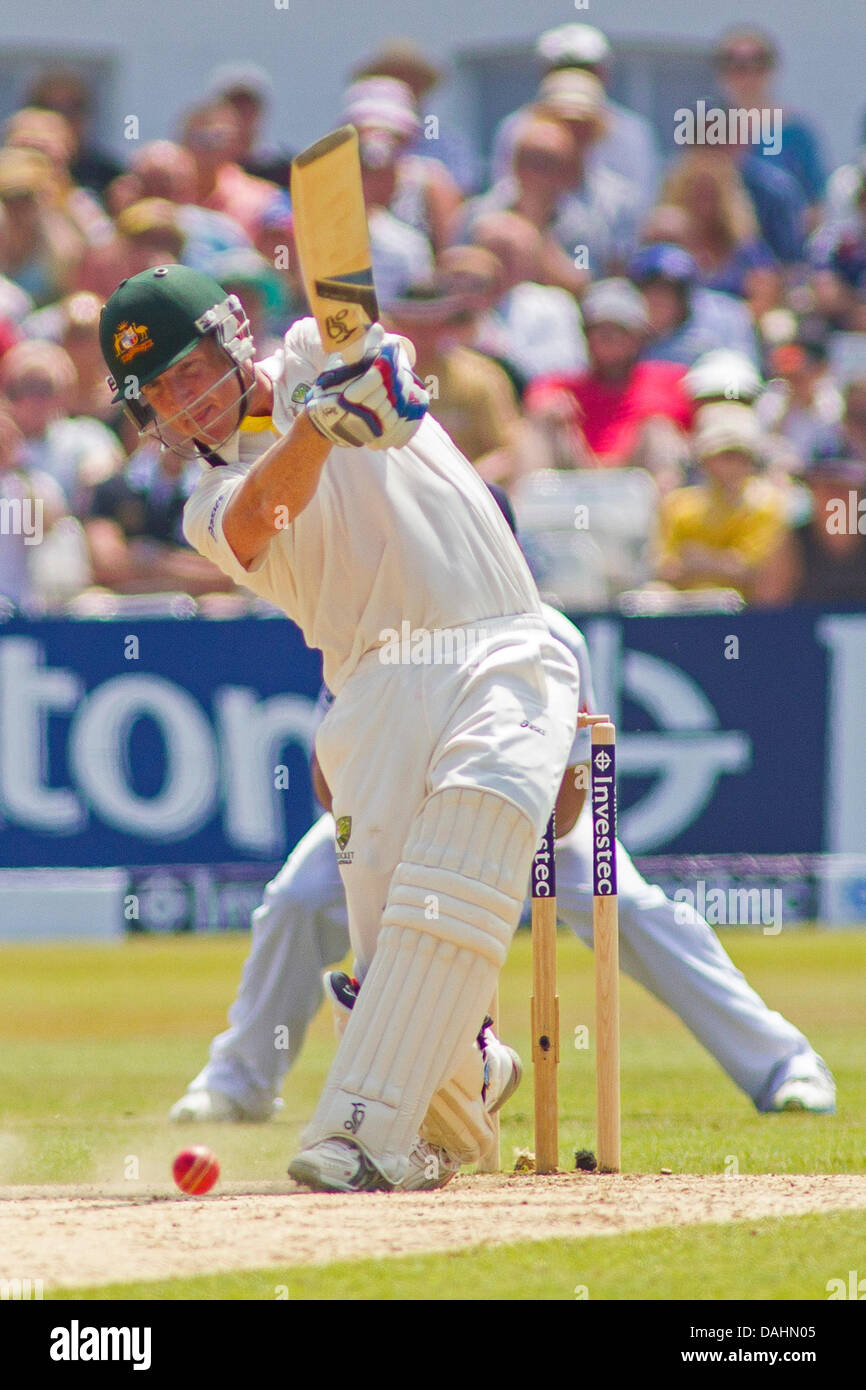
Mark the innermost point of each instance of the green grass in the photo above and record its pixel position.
(788, 1258)
(98, 1042)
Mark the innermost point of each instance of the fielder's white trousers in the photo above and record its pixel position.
(302, 927)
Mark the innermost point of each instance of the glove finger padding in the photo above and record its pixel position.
(377, 405)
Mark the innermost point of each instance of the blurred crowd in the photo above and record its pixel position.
(659, 357)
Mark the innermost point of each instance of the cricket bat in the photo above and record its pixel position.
(333, 241)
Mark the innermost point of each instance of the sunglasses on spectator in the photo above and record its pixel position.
(745, 62)
(542, 162)
(76, 106)
(40, 390)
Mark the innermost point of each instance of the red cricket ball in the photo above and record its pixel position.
(196, 1170)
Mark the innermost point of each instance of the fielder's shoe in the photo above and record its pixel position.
(503, 1069)
(214, 1107)
(337, 1165)
(429, 1168)
(813, 1093)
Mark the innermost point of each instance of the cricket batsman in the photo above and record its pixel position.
(328, 489)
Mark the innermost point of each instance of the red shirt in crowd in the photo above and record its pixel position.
(610, 414)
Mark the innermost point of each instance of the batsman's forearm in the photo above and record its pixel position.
(276, 490)
(288, 474)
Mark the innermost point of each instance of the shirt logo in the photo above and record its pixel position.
(213, 513)
(130, 339)
(344, 830)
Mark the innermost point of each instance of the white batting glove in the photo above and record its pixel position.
(376, 403)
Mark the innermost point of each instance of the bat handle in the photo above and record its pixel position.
(366, 342)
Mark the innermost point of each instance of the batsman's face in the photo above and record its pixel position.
(199, 397)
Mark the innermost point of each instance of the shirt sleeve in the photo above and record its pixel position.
(203, 523)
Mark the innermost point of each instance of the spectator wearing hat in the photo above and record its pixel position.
(213, 136)
(726, 530)
(746, 61)
(578, 207)
(605, 414)
(472, 396)
(823, 560)
(402, 254)
(721, 228)
(152, 234)
(165, 170)
(407, 62)
(837, 255)
(248, 89)
(685, 319)
(42, 248)
(146, 234)
(50, 134)
(65, 91)
(425, 196)
(534, 328)
(723, 375)
(802, 401)
(628, 146)
(37, 382)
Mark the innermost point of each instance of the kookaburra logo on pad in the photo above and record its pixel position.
(353, 1124)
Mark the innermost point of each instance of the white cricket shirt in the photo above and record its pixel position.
(391, 535)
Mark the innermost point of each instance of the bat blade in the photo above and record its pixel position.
(333, 240)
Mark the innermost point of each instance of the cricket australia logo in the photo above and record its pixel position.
(344, 831)
(131, 339)
(353, 1124)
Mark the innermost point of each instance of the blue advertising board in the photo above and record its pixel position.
(166, 741)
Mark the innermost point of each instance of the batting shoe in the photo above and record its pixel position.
(429, 1167)
(503, 1069)
(816, 1094)
(214, 1107)
(338, 1165)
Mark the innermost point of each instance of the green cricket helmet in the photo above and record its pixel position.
(155, 318)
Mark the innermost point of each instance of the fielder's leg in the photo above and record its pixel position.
(669, 949)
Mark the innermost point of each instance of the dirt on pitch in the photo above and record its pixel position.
(88, 1236)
